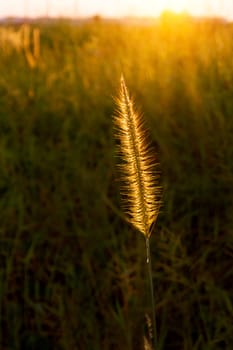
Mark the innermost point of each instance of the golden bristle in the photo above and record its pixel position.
(140, 191)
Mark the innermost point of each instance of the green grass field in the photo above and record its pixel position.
(72, 271)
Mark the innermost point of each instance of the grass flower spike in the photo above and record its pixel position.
(140, 191)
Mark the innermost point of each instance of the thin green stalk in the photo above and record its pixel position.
(148, 260)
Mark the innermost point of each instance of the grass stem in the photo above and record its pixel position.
(148, 261)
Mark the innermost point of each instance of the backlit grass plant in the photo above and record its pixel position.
(140, 190)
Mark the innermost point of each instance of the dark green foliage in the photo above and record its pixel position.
(72, 272)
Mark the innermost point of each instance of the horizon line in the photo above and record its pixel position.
(118, 17)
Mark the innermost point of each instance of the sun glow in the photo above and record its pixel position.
(172, 5)
(193, 7)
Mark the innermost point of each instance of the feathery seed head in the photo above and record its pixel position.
(140, 190)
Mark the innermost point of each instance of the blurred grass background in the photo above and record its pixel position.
(72, 272)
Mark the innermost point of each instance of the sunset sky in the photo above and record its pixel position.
(114, 8)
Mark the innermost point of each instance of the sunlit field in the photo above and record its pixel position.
(72, 271)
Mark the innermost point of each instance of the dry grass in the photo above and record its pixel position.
(25, 40)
